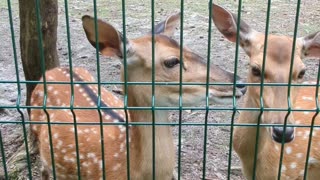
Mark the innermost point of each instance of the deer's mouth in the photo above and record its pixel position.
(220, 97)
(224, 99)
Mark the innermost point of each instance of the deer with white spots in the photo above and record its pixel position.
(277, 70)
(139, 69)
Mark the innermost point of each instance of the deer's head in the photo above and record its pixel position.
(167, 63)
(277, 66)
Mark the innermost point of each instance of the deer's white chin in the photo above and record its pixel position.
(222, 100)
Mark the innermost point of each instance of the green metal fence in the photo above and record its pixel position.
(232, 110)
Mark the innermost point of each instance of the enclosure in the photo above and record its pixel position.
(202, 134)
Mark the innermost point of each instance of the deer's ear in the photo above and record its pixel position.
(311, 45)
(226, 23)
(109, 39)
(168, 26)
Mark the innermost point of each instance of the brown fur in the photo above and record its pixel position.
(139, 69)
(277, 70)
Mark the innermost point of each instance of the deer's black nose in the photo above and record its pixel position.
(278, 133)
(240, 85)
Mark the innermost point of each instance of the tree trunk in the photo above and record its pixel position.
(29, 39)
(31, 60)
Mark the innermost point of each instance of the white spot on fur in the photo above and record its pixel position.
(100, 164)
(34, 128)
(306, 134)
(59, 144)
(63, 151)
(288, 150)
(55, 92)
(116, 167)
(116, 155)
(122, 128)
(299, 155)
(283, 168)
(293, 165)
(58, 101)
(55, 135)
(307, 98)
(91, 155)
(85, 164)
(50, 88)
(69, 159)
(301, 172)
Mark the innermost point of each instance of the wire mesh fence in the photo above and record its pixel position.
(157, 90)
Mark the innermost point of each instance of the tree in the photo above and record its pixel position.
(31, 60)
(29, 37)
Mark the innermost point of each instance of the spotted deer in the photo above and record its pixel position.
(139, 69)
(277, 70)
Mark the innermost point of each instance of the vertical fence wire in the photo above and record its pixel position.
(72, 88)
(18, 99)
(261, 90)
(312, 125)
(153, 93)
(234, 88)
(99, 87)
(3, 155)
(207, 93)
(124, 41)
(43, 68)
(180, 87)
(289, 86)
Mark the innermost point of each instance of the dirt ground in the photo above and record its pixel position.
(138, 18)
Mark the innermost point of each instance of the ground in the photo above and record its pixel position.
(138, 21)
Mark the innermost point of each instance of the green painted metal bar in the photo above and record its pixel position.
(262, 109)
(40, 44)
(24, 128)
(312, 125)
(72, 88)
(153, 92)
(99, 89)
(234, 106)
(161, 124)
(124, 41)
(289, 83)
(161, 83)
(3, 155)
(180, 87)
(207, 93)
(166, 108)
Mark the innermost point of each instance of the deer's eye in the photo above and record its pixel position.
(301, 74)
(171, 62)
(256, 71)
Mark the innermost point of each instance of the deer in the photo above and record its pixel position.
(276, 70)
(139, 69)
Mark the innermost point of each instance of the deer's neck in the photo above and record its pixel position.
(245, 137)
(142, 144)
